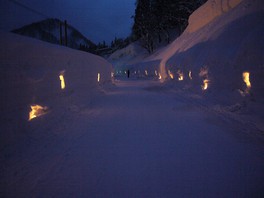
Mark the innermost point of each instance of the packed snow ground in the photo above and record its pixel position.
(138, 139)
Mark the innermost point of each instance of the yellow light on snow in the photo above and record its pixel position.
(204, 75)
(190, 75)
(205, 84)
(36, 111)
(246, 79)
(180, 75)
(62, 80)
(171, 74)
(98, 77)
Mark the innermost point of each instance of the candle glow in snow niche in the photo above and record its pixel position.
(204, 75)
(61, 76)
(246, 79)
(180, 75)
(160, 76)
(36, 111)
(190, 75)
(98, 77)
(171, 74)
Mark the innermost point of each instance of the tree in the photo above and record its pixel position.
(144, 23)
(154, 19)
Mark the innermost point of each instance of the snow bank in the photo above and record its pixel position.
(30, 71)
(225, 47)
(129, 55)
(208, 12)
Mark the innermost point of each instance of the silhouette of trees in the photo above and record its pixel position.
(155, 19)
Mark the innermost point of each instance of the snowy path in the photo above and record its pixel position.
(135, 143)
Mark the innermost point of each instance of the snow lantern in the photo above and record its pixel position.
(61, 76)
(36, 111)
(180, 75)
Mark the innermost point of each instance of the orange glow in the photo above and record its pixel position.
(62, 80)
(36, 111)
(160, 77)
(180, 73)
(204, 74)
(190, 75)
(98, 77)
(246, 79)
(205, 84)
(171, 74)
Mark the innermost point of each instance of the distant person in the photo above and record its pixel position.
(128, 73)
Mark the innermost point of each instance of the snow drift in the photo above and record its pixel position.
(30, 75)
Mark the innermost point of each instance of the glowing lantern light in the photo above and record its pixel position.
(180, 73)
(160, 76)
(190, 75)
(204, 74)
(36, 111)
(171, 74)
(146, 72)
(62, 80)
(98, 77)
(205, 84)
(246, 79)
(156, 73)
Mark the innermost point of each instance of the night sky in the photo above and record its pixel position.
(98, 20)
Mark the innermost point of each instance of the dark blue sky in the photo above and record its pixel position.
(98, 20)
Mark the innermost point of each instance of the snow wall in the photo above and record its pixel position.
(223, 40)
(30, 71)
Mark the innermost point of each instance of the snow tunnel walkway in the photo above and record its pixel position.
(142, 142)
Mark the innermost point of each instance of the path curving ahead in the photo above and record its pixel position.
(140, 141)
